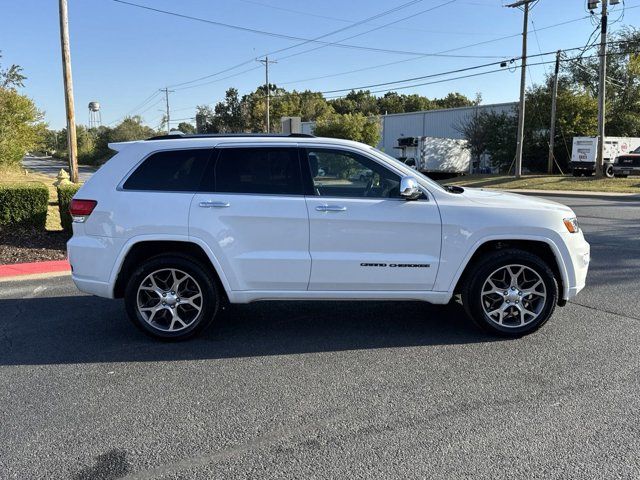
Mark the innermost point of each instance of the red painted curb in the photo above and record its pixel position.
(18, 269)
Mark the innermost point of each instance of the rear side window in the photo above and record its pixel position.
(170, 171)
(268, 170)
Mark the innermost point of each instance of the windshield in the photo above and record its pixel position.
(637, 150)
(419, 176)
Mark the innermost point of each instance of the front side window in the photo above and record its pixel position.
(259, 170)
(340, 173)
(170, 171)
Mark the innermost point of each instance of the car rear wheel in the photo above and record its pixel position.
(171, 297)
(510, 293)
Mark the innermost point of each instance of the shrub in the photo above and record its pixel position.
(24, 204)
(66, 191)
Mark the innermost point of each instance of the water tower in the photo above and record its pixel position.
(95, 117)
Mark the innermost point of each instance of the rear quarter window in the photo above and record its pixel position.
(170, 171)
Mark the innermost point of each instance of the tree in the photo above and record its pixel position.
(492, 133)
(623, 82)
(455, 100)
(475, 132)
(391, 102)
(21, 127)
(11, 77)
(187, 128)
(361, 101)
(349, 126)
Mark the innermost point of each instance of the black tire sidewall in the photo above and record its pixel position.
(201, 276)
(472, 292)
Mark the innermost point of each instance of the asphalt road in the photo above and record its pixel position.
(329, 390)
(51, 166)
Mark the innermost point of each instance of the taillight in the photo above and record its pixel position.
(81, 209)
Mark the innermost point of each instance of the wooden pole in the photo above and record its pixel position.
(72, 143)
(602, 91)
(554, 105)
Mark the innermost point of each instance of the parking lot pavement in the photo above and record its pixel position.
(329, 390)
(50, 166)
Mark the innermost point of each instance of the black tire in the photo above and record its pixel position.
(608, 171)
(203, 279)
(482, 269)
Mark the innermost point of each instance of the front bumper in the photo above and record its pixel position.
(578, 267)
(626, 170)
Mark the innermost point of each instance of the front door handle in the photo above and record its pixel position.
(214, 204)
(331, 208)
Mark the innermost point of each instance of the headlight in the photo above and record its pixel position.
(572, 224)
(616, 160)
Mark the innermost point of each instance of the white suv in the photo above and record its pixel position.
(178, 225)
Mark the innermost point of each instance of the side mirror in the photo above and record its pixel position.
(409, 189)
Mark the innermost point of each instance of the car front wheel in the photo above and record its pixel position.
(510, 292)
(171, 297)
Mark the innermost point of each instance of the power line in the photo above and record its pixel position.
(279, 35)
(373, 67)
(337, 19)
(375, 28)
(443, 53)
(460, 70)
(466, 76)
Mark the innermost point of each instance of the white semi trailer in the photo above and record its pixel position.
(434, 155)
(585, 152)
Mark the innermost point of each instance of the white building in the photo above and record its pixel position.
(443, 123)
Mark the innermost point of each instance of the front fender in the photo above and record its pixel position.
(449, 274)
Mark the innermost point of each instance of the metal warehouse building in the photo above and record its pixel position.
(443, 123)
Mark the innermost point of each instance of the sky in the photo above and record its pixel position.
(122, 55)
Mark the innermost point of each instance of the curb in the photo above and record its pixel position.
(33, 268)
(625, 197)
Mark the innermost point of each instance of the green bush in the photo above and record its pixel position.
(24, 204)
(65, 194)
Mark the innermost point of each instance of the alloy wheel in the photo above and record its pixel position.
(169, 300)
(513, 296)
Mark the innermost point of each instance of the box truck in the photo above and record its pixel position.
(585, 151)
(434, 155)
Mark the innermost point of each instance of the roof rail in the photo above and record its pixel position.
(177, 136)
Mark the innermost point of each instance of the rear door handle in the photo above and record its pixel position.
(214, 204)
(331, 208)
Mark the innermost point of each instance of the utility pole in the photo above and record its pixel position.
(523, 83)
(168, 114)
(266, 63)
(72, 142)
(602, 90)
(554, 104)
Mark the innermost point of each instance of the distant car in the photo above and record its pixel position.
(180, 225)
(628, 164)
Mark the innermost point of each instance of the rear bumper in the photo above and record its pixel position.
(582, 167)
(93, 287)
(92, 259)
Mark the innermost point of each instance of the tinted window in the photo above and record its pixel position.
(173, 171)
(258, 170)
(339, 173)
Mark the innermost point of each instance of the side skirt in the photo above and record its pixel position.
(247, 296)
